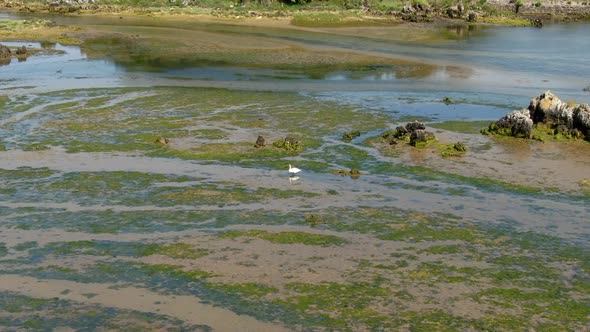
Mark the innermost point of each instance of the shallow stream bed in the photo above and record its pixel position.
(103, 225)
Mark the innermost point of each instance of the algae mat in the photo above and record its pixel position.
(208, 232)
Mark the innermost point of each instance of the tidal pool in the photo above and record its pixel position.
(103, 225)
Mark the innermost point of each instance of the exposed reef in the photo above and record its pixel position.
(546, 116)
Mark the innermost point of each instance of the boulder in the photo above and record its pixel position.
(22, 51)
(516, 123)
(472, 17)
(412, 126)
(420, 136)
(581, 119)
(260, 142)
(548, 109)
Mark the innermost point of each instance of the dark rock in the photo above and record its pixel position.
(291, 140)
(561, 130)
(472, 17)
(453, 12)
(581, 119)
(420, 136)
(412, 126)
(21, 50)
(5, 52)
(537, 23)
(400, 132)
(260, 142)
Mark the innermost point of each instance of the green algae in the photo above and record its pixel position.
(133, 118)
(50, 314)
(287, 237)
(466, 127)
(452, 150)
(175, 250)
(247, 290)
(339, 306)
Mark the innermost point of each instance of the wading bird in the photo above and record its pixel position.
(293, 170)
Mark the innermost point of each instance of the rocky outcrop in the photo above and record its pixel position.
(582, 119)
(516, 123)
(420, 137)
(547, 108)
(555, 116)
(414, 132)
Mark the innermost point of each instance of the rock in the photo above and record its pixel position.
(21, 50)
(581, 119)
(516, 123)
(537, 23)
(162, 140)
(413, 126)
(260, 142)
(5, 52)
(420, 136)
(349, 136)
(454, 12)
(472, 17)
(548, 109)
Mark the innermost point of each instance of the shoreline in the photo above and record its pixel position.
(498, 12)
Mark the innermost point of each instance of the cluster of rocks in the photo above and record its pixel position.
(414, 132)
(290, 144)
(568, 120)
(6, 54)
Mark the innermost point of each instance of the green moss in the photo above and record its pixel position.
(176, 250)
(425, 232)
(339, 306)
(288, 237)
(349, 136)
(453, 150)
(467, 127)
(248, 289)
(448, 249)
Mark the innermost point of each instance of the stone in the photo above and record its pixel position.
(412, 126)
(548, 109)
(260, 142)
(516, 123)
(581, 119)
(419, 136)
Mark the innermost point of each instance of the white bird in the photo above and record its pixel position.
(293, 170)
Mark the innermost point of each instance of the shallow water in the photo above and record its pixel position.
(90, 203)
